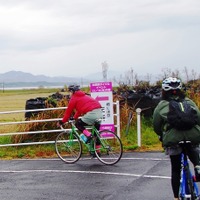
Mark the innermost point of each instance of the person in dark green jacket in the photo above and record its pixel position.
(170, 137)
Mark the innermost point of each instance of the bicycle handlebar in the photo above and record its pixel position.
(70, 121)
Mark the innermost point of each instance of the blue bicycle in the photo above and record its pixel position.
(188, 187)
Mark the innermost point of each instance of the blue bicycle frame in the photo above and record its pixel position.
(188, 188)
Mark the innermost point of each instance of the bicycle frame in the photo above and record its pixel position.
(187, 181)
(90, 146)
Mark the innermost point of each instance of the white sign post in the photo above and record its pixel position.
(138, 111)
(102, 91)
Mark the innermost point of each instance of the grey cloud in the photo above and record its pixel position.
(45, 25)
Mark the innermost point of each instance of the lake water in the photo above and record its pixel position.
(29, 87)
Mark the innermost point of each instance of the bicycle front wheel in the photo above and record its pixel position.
(68, 147)
(110, 150)
(191, 188)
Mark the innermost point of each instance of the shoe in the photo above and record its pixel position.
(98, 147)
(197, 173)
(94, 155)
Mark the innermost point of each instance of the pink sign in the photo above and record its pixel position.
(101, 87)
(102, 92)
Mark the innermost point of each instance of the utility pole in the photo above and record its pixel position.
(104, 70)
(3, 87)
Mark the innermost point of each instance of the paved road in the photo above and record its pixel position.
(137, 176)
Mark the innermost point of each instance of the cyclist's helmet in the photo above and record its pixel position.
(73, 88)
(171, 84)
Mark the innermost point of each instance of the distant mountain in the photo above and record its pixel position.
(18, 79)
(24, 79)
(18, 76)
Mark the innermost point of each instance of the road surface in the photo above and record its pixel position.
(137, 176)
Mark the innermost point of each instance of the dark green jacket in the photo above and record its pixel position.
(172, 136)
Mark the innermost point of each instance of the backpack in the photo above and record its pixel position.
(181, 116)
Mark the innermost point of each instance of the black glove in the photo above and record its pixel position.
(160, 138)
(71, 118)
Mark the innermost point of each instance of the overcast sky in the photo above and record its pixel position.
(74, 37)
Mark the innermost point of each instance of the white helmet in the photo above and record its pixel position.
(171, 84)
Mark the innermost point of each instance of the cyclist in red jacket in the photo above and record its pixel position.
(86, 107)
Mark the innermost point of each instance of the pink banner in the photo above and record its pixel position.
(101, 87)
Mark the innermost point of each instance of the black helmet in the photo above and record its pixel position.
(73, 88)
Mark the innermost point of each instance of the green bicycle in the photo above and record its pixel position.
(68, 145)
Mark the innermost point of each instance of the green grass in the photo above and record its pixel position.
(149, 140)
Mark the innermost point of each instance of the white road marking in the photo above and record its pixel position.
(154, 159)
(85, 172)
(89, 172)
(89, 158)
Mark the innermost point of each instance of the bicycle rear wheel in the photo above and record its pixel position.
(191, 188)
(68, 147)
(111, 148)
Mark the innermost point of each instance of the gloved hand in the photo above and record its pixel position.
(60, 123)
(160, 138)
(71, 119)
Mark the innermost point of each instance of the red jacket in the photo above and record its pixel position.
(82, 103)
